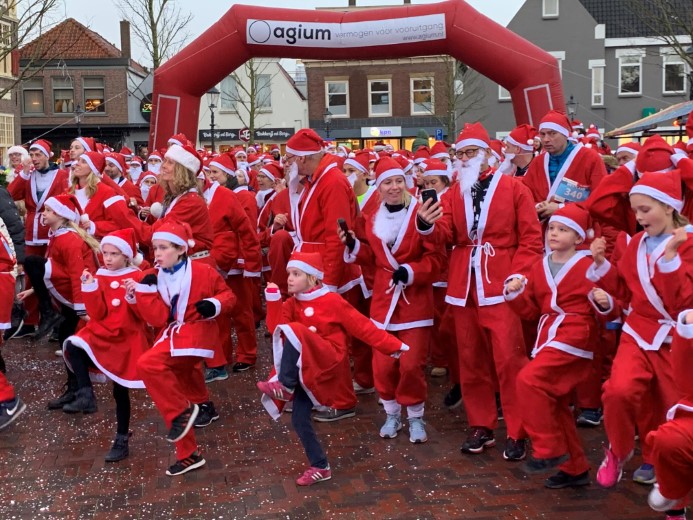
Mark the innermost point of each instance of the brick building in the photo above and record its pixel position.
(87, 86)
(9, 104)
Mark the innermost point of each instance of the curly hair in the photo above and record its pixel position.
(183, 180)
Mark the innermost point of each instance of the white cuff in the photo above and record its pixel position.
(146, 289)
(668, 266)
(684, 330)
(273, 296)
(403, 348)
(630, 165)
(677, 156)
(79, 307)
(350, 258)
(25, 176)
(217, 306)
(597, 308)
(92, 228)
(513, 276)
(410, 272)
(594, 273)
(251, 274)
(90, 287)
(424, 232)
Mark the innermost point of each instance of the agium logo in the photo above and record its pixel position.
(260, 31)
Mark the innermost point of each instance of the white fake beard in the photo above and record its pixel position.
(144, 190)
(510, 156)
(468, 172)
(154, 168)
(293, 171)
(386, 225)
(243, 165)
(352, 179)
(260, 197)
(135, 173)
(492, 161)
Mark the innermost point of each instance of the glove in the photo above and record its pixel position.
(205, 308)
(400, 275)
(149, 279)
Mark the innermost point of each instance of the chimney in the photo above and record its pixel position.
(407, 2)
(352, 3)
(125, 50)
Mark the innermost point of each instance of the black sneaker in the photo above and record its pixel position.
(19, 332)
(66, 397)
(190, 463)
(562, 480)
(453, 398)
(241, 367)
(534, 465)
(207, 415)
(55, 336)
(181, 425)
(478, 440)
(515, 449)
(10, 410)
(49, 320)
(120, 449)
(332, 414)
(84, 402)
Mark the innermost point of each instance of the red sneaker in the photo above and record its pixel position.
(313, 476)
(275, 390)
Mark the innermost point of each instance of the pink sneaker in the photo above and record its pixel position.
(611, 469)
(275, 390)
(313, 476)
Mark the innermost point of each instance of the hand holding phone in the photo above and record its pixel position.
(350, 242)
(429, 194)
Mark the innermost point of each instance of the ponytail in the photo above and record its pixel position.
(90, 240)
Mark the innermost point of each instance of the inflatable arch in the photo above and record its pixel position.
(451, 27)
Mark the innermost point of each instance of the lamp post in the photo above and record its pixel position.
(212, 98)
(572, 108)
(689, 53)
(327, 119)
(78, 119)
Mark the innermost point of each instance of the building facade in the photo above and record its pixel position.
(10, 124)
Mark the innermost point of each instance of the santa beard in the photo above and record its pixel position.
(352, 179)
(387, 225)
(144, 190)
(154, 167)
(468, 172)
(260, 197)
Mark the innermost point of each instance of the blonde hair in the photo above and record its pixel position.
(183, 181)
(90, 240)
(679, 220)
(91, 186)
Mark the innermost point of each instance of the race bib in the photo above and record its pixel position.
(570, 191)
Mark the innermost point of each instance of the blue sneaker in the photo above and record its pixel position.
(392, 425)
(216, 374)
(590, 417)
(417, 430)
(645, 474)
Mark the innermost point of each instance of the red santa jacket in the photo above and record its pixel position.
(248, 202)
(23, 187)
(183, 328)
(236, 247)
(326, 197)
(583, 167)
(132, 191)
(368, 204)
(656, 290)
(563, 305)
(107, 212)
(508, 240)
(114, 337)
(7, 283)
(681, 362)
(402, 306)
(67, 257)
(318, 324)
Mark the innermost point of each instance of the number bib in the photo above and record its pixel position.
(570, 191)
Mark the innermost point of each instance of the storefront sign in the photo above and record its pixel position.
(260, 134)
(371, 132)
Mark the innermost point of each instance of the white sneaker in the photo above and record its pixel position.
(658, 502)
(392, 425)
(359, 390)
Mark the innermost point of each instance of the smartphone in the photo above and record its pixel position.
(429, 194)
(350, 241)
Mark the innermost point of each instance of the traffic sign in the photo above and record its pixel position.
(439, 134)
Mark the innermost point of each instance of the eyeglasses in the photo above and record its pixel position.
(469, 153)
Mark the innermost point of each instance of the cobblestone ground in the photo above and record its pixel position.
(51, 464)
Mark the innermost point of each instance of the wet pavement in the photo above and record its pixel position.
(52, 464)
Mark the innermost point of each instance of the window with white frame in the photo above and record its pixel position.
(6, 133)
(630, 72)
(379, 99)
(597, 67)
(94, 95)
(63, 96)
(503, 94)
(228, 94)
(421, 96)
(560, 57)
(32, 94)
(337, 97)
(263, 96)
(549, 9)
(6, 49)
(674, 74)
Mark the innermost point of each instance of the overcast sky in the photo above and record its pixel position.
(103, 16)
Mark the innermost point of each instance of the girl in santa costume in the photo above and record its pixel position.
(653, 275)
(182, 298)
(310, 341)
(113, 338)
(406, 266)
(57, 276)
(556, 294)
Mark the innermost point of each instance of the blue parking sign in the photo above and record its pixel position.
(439, 134)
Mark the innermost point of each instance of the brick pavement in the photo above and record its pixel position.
(51, 464)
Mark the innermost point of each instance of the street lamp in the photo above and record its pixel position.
(689, 53)
(572, 108)
(212, 98)
(78, 119)
(327, 119)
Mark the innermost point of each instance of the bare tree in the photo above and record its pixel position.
(159, 25)
(671, 21)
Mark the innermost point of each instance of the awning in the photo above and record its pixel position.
(651, 122)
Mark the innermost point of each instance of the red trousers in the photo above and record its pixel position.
(489, 338)
(6, 390)
(361, 353)
(672, 456)
(258, 311)
(243, 319)
(31, 303)
(588, 393)
(281, 246)
(173, 383)
(637, 374)
(404, 379)
(546, 384)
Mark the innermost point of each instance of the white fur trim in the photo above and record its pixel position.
(18, 149)
(670, 266)
(223, 168)
(267, 174)
(115, 163)
(84, 144)
(525, 146)
(594, 273)
(62, 210)
(682, 328)
(182, 156)
(657, 195)
(556, 127)
(626, 149)
(170, 237)
(156, 209)
(217, 306)
(472, 142)
(306, 268)
(357, 165)
(88, 160)
(387, 174)
(118, 242)
(570, 223)
(273, 296)
(302, 153)
(40, 148)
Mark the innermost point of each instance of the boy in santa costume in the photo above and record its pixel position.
(310, 333)
(492, 225)
(181, 298)
(555, 292)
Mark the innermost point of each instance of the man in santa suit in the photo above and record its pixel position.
(39, 180)
(519, 151)
(627, 152)
(492, 226)
(564, 172)
(115, 168)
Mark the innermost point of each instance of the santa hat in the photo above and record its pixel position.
(422, 153)
(330, 145)
(379, 146)
(272, 171)
(124, 240)
(267, 159)
(385, 168)
(593, 133)
(632, 147)
(95, 160)
(497, 149)
(275, 148)
(304, 142)
(117, 160)
(103, 149)
(65, 158)
(473, 134)
(155, 155)
(179, 139)
(176, 233)
(309, 263)
(435, 167)
(663, 187)
(403, 162)
(343, 151)
(225, 163)
(185, 156)
(576, 124)
(66, 206)
(251, 149)
(147, 175)
(44, 146)
(439, 150)
(680, 145)
(655, 155)
(361, 161)
(88, 143)
(137, 160)
(240, 151)
(576, 218)
(126, 151)
(523, 137)
(556, 121)
(254, 159)
(18, 149)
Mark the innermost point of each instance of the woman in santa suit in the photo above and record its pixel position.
(82, 145)
(402, 303)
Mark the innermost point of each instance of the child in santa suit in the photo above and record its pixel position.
(182, 298)
(556, 294)
(406, 264)
(11, 406)
(114, 337)
(651, 266)
(310, 334)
